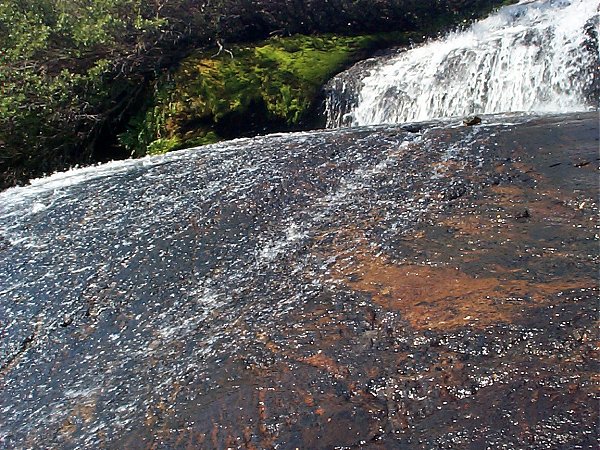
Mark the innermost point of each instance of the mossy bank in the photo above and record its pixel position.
(243, 90)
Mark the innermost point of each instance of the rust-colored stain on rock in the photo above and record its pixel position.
(442, 297)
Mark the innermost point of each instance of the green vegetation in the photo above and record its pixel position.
(58, 60)
(274, 82)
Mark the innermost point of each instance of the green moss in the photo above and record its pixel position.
(164, 145)
(273, 83)
(209, 137)
(283, 74)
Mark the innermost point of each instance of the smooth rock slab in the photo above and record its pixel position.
(359, 288)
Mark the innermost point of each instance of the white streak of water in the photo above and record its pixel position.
(534, 56)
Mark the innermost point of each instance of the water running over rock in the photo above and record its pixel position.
(535, 56)
(421, 286)
(426, 285)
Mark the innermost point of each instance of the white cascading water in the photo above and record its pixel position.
(539, 56)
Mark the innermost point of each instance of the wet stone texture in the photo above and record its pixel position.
(432, 286)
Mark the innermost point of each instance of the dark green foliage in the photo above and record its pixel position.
(59, 92)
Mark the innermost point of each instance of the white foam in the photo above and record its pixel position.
(528, 57)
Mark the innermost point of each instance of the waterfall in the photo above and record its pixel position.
(539, 56)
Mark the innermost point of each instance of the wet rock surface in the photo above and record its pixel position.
(363, 288)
